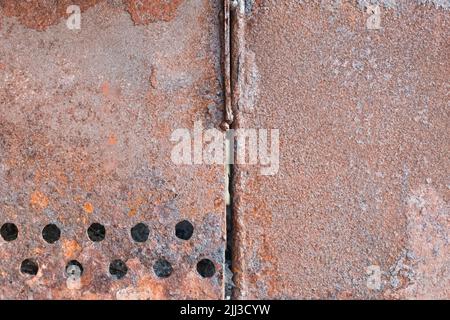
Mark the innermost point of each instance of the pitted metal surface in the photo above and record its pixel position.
(86, 118)
(93, 207)
(359, 206)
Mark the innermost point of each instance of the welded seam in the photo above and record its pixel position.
(226, 66)
(236, 43)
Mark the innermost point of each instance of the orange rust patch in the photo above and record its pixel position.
(152, 11)
(105, 88)
(110, 92)
(84, 220)
(156, 288)
(193, 283)
(37, 251)
(39, 200)
(88, 207)
(71, 248)
(40, 14)
(132, 293)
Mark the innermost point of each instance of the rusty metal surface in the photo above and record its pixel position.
(85, 121)
(364, 151)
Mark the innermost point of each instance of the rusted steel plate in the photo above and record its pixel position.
(363, 182)
(89, 197)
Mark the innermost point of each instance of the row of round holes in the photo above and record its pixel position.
(118, 269)
(97, 232)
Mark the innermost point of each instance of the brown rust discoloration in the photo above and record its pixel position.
(363, 119)
(226, 64)
(39, 200)
(85, 138)
(88, 207)
(71, 249)
(40, 14)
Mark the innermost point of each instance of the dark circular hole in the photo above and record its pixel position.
(162, 268)
(206, 268)
(29, 267)
(140, 232)
(74, 268)
(96, 232)
(9, 231)
(118, 269)
(51, 233)
(184, 230)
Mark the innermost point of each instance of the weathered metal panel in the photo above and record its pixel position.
(86, 118)
(91, 202)
(363, 182)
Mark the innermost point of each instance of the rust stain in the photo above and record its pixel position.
(87, 137)
(39, 200)
(135, 204)
(361, 131)
(71, 249)
(153, 78)
(132, 212)
(112, 140)
(40, 14)
(38, 251)
(88, 207)
(145, 12)
(105, 88)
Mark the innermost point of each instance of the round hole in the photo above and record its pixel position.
(162, 268)
(29, 267)
(140, 232)
(74, 269)
(96, 232)
(206, 268)
(9, 231)
(184, 230)
(118, 269)
(51, 233)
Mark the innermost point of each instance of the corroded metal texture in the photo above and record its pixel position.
(363, 183)
(85, 125)
(43, 13)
